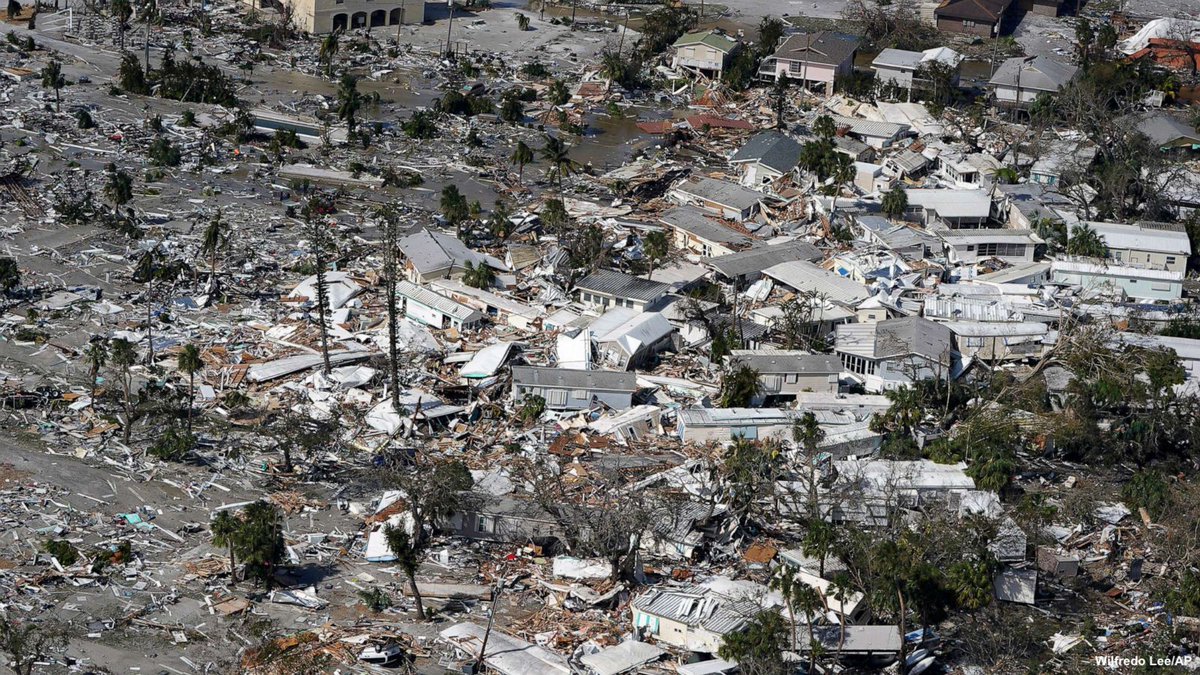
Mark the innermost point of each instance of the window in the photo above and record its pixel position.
(556, 397)
(486, 524)
(579, 394)
(974, 342)
(967, 23)
(1160, 287)
(1002, 250)
(970, 247)
(1170, 260)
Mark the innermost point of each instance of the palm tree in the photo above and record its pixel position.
(329, 49)
(349, 100)
(189, 363)
(121, 10)
(895, 202)
(320, 242)
(97, 358)
(655, 246)
(119, 188)
(1086, 242)
(408, 557)
(225, 528)
(150, 268)
(259, 541)
(614, 67)
(149, 15)
(824, 127)
(558, 94)
(522, 155)
(52, 78)
(739, 386)
(558, 155)
(123, 357)
(478, 276)
(454, 208)
(216, 238)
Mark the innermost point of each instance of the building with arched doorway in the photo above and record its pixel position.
(325, 16)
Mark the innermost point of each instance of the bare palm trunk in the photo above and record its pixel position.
(128, 384)
(191, 399)
(412, 584)
(903, 614)
(150, 322)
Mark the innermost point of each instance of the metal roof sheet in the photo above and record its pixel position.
(621, 285)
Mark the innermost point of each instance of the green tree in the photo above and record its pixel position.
(739, 385)
(801, 599)
(1006, 175)
(408, 557)
(655, 247)
(512, 110)
(52, 78)
(327, 52)
(903, 415)
(779, 98)
(1149, 490)
(1086, 242)
(349, 101)
(522, 155)
(320, 244)
(121, 11)
(478, 276)
(557, 93)
(97, 357)
(119, 186)
(554, 216)
(454, 208)
(770, 32)
(225, 528)
(895, 202)
(10, 274)
(214, 240)
(758, 648)
(123, 356)
(131, 76)
(824, 127)
(557, 154)
(1085, 37)
(189, 364)
(259, 541)
(971, 582)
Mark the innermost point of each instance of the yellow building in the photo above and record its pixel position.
(325, 16)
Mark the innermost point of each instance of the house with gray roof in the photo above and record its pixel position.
(436, 310)
(1020, 80)
(603, 289)
(788, 372)
(1165, 131)
(705, 52)
(896, 352)
(969, 246)
(805, 277)
(984, 18)
(433, 255)
(766, 157)
(725, 199)
(568, 389)
(703, 233)
(812, 59)
(747, 266)
(899, 67)
(692, 617)
(876, 134)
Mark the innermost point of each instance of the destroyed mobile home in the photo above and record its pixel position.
(589, 338)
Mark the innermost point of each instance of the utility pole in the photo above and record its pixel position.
(574, 4)
(400, 24)
(449, 29)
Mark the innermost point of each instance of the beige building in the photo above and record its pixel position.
(326, 16)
